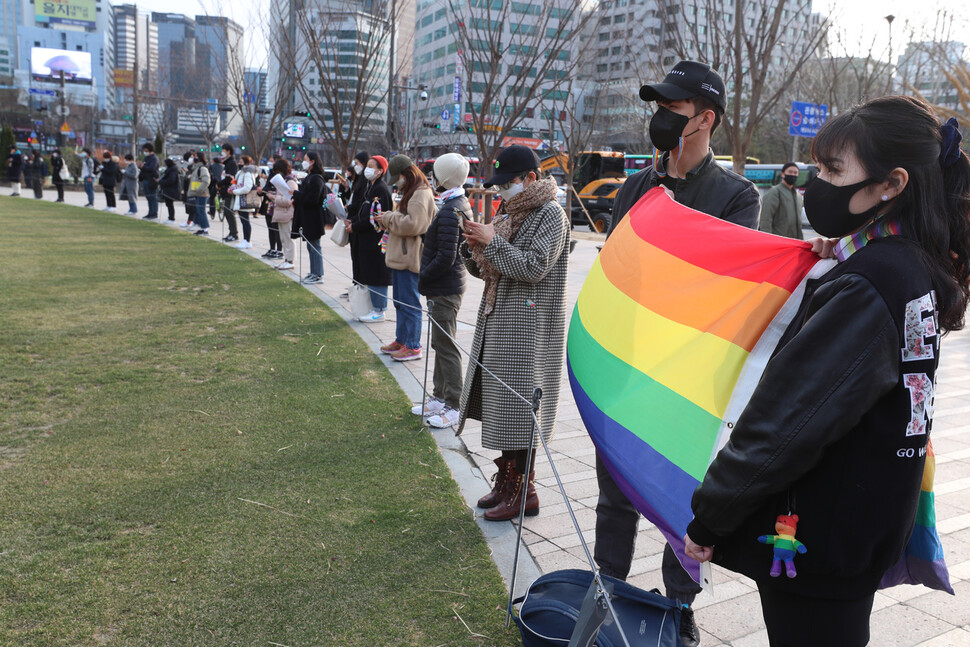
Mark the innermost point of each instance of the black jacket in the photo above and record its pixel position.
(57, 163)
(308, 212)
(149, 169)
(365, 241)
(442, 270)
(709, 188)
(16, 167)
(169, 183)
(230, 167)
(110, 174)
(835, 432)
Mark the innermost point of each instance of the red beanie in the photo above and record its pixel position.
(381, 161)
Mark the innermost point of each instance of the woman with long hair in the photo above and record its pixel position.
(282, 217)
(833, 441)
(365, 240)
(309, 219)
(405, 226)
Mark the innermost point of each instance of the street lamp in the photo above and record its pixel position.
(422, 96)
(889, 82)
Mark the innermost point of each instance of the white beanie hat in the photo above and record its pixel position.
(450, 170)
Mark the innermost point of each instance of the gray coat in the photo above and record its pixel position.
(130, 180)
(523, 340)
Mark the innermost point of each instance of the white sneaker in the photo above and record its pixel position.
(285, 265)
(186, 224)
(432, 407)
(373, 317)
(447, 418)
(192, 227)
(243, 244)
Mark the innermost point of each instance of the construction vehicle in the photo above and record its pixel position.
(598, 176)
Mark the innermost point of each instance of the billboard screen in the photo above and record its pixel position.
(47, 65)
(294, 130)
(67, 12)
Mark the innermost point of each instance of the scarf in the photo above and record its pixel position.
(512, 213)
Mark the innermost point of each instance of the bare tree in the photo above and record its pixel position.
(514, 62)
(759, 49)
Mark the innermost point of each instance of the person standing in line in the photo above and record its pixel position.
(110, 176)
(690, 104)
(282, 210)
(781, 206)
(130, 184)
(216, 173)
(188, 161)
(88, 170)
(198, 191)
(15, 169)
(267, 208)
(520, 332)
(245, 198)
(168, 185)
(442, 281)
(148, 177)
(58, 171)
(38, 174)
(352, 190)
(230, 169)
(405, 228)
(365, 241)
(309, 215)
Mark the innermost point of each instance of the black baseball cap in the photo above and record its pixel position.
(511, 163)
(687, 80)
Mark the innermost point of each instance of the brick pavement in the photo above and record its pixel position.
(729, 615)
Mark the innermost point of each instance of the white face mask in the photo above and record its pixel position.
(82, 155)
(358, 168)
(370, 173)
(512, 191)
(306, 165)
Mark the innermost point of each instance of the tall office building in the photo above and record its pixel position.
(177, 74)
(136, 41)
(922, 67)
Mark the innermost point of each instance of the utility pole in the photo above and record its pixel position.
(134, 93)
(391, 77)
(60, 132)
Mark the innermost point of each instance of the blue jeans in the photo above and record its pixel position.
(316, 257)
(89, 189)
(152, 196)
(378, 297)
(200, 218)
(408, 318)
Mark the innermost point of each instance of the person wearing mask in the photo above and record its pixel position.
(267, 208)
(309, 217)
(15, 169)
(110, 177)
(188, 160)
(58, 171)
(198, 191)
(245, 198)
(836, 434)
(148, 177)
(283, 211)
(690, 104)
(130, 184)
(405, 226)
(365, 240)
(38, 174)
(442, 281)
(520, 332)
(352, 189)
(230, 169)
(781, 206)
(216, 173)
(88, 170)
(169, 186)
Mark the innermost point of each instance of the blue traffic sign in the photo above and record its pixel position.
(806, 118)
(43, 93)
(445, 114)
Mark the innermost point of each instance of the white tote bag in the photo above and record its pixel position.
(360, 303)
(339, 234)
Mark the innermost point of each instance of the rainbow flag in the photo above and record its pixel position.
(671, 333)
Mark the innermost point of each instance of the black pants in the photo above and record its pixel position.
(274, 234)
(212, 204)
(247, 226)
(230, 217)
(800, 621)
(38, 184)
(616, 534)
(60, 191)
(109, 196)
(170, 205)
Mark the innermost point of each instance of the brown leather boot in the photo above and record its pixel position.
(500, 480)
(509, 506)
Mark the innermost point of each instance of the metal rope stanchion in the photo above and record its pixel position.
(536, 397)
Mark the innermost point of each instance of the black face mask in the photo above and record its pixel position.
(789, 179)
(666, 127)
(827, 208)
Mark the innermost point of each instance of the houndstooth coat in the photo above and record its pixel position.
(523, 339)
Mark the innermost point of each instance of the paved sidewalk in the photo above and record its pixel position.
(729, 615)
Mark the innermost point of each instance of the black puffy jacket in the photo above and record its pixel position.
(442, 270)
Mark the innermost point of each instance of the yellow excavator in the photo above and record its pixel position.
(598, 176)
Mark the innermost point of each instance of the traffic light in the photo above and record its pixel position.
(283, 139)
(302, 114)
(432, 124)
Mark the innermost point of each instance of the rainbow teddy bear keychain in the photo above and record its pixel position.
(785, 545)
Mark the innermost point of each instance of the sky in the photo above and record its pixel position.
(863, 21)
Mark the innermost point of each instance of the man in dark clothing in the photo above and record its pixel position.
(15, 168)
(690, 104)
(148, 176)
(231, 167)
(216, 169)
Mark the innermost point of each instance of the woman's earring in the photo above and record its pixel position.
(885, 197)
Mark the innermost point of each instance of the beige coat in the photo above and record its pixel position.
(283, 207)
(404, 246)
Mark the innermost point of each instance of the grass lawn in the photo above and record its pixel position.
(196, 451)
